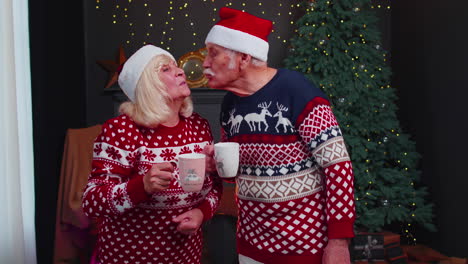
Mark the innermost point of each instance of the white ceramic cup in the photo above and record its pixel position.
(226, 156)
(191, 171)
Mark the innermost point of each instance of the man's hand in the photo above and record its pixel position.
(189, 222)
(210, 165)
(336, 252)
(158, 178)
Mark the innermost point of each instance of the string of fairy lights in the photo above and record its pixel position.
(180, 10)
(160, 20)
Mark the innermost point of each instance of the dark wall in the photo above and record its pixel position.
(430, 60)
(58, 100)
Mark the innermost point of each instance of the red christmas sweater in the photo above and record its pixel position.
(134, 227)
(295, 183)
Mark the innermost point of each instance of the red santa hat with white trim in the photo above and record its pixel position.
(242, 32)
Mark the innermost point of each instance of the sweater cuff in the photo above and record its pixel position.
(340, 229)
(136, 190)
(206, 210)
(229, 180)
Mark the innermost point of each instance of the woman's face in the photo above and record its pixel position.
(174, 78)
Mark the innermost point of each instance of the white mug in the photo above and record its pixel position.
(226, 156)
(191, 171)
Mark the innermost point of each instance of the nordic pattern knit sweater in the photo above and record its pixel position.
(134, 227)
(295, 183)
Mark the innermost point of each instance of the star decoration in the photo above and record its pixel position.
(113, 67)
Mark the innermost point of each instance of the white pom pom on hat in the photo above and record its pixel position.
(242, 32)
(134, 66)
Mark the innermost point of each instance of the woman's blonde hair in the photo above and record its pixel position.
(151, 106)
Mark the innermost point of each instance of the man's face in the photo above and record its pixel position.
(221, 66)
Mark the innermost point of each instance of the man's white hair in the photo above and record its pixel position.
(232, 53)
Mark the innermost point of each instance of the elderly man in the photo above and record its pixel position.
(295, 183)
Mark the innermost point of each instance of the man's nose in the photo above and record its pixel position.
(206, 63)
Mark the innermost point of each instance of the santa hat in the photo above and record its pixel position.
(242, 32)
(134, 66)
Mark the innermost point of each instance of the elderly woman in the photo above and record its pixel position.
(143, 214)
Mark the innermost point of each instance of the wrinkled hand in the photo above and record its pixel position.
(336, 252)
(158, 178)
(210, 164)
(189, 222)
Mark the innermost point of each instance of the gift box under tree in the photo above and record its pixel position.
(378, 248)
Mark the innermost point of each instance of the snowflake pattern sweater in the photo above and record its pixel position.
(295, 183)
(134, 227)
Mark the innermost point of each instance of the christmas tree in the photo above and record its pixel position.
(338, 47)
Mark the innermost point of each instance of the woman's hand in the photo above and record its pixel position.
(158, 178)
(210, 164)
(189, 222)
